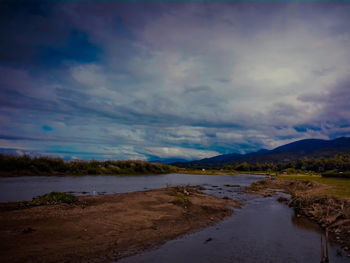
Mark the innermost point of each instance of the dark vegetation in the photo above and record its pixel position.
(336, 165)
(52, 198)
(281, 156)
(335, 173)
(258, 185)
(26, 165)
(182, 194)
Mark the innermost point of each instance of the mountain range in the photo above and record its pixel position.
(310, 148)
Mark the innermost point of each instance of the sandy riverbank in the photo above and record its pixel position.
(104, 228)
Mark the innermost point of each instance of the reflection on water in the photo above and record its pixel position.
(304, 223)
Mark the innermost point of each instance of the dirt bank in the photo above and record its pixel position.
(309, 199)
(105, 228)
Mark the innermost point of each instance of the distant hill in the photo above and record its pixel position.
(167, 161)
(310, 148)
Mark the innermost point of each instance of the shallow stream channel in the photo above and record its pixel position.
(263, 230)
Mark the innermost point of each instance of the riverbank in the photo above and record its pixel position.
(325, 201)
(105, 228)
(14, 166)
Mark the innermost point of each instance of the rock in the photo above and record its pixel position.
(339, 252)
(28, 230)
(208, 240)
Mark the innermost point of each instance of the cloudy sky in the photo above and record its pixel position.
(185, 80)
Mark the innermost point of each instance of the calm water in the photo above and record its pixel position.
(25, 188)
(262, 231)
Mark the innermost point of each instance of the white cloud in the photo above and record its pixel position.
(179, 152)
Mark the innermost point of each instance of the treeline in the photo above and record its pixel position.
(336, 166)
(26, 165)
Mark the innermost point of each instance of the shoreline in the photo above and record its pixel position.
(53, 174)
(312, 200)
(106, 228)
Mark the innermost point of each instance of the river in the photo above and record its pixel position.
(264, 230)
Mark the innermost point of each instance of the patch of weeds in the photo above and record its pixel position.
(52, 198)
(184, 189)
(182, 193)
(258, 185)
(182, 200)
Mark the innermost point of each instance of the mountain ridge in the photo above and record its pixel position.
(310, 148)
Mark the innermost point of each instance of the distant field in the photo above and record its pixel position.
(338, 187)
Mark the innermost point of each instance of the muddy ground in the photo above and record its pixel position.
(104, 228)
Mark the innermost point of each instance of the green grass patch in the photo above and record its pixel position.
(53, 198)
(182, 200)
(339, 187)
(182, 194)
(258, 185)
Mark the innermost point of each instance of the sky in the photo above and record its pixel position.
(171, 80)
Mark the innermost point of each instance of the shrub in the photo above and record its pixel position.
(258, 185)
(181, 199)
(52, 199)
(336, 174)
(181, 194)
(48, 165)
(290, 170)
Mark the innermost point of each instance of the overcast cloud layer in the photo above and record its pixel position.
(171, 80)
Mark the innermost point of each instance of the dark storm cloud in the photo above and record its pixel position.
(39, 33)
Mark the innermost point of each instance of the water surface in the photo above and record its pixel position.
(264, 230)
(27, 187)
